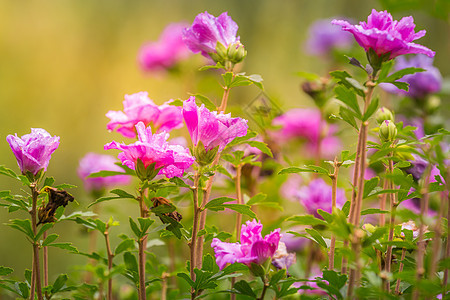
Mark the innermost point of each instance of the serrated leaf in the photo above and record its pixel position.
(314, 169)
(399, 74)
(258, 198)
(348, 117)
(24, 226)
(316, 236)
(8, 172)
(4, 271)
(369, 185)
(401, 85)
(242, 287)
(208, 67)
(65, 246)
(261, 146)
(59, 283)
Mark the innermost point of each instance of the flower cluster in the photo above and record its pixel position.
(253, 248)
(93, 163)
(170, 160)
(166, 52)
(139, 108)
(34, 150)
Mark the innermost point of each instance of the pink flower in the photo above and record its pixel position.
(167, 51)
(171, 160)
(317, 195)
(33, 151)
(385, 35)
(139, 108)
(253, 248)
(93, 163)
(211, 128)
(307, 124)
(206, 31)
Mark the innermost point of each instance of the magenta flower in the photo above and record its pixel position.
(33, 151)
(323, 38)
(317, 195)
(421, 84)
(93, 163)
(171, 160)
(253, 248)
(167, 51)
(385, 35)
(139, 108)
(307, 124)
(206, 31)
(212, 129)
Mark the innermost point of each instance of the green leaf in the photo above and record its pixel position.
(242, 287)
(131, 266)
(258, 198)
(24, 290)
(277, 277)
(241, 139)
(49, 181)
(227, 78)
(65, 186)
(241, 208)
(373, 106)
(348, 117)
(65, 246)
(217, 66)
(50, 239)
(378, 233)
(206, 101)
(342, 77)
(348, 97)
(316, 236)
(8, 172)
(186, 278)
(401, 85)
(314, 169)
(179, 182)
(371, 211)
(385, 68)
(218, 201)
(122, 194)
(59, 283)
(4, 271)
(308, 76)
(261, 146)
(306, 220)
(43, 229)
(134, 228)
(399, 74)
(145, 223)
(326, 215)
(334, 279)
(24, 226)
(370, 185)
(124, 245)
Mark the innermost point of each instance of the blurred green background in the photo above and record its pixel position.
(64, 64)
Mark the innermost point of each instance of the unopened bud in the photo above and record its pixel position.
(204, 157)
(388, 131)
(220, 56)
(384, 114)
(236, 52)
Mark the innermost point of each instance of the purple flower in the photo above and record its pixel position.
(385, 35)
(139, 108)
(33, 151)
(324, 38)
(317, 195)
(294, 243)
(421, 84)
(207, 31)
(253, 248)
(172, 160)
(93, 163)
(282, 259)
(211, 128)
(166, 52)
(307, 124)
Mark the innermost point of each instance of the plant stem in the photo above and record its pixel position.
(45, 262)
(164, 286)
(333, 206)
(110, 263)
(196, 208)
(239, 201)
(263, 293)
(447, 246)
(420, 270)
(437, 239)
(142, 243)
(36, 264)
(393, 206)
(382, 199)
(33, 281)
(400, 269)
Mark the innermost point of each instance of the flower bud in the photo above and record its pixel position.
(388, 131)
(204, 157)
(404, 152)
(384, 114)
(236, 52)
(221, 54)
(432, 104)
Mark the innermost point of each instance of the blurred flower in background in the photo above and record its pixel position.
(139, 107)
(421, 84)
(166, 52)
(93, 163)
(324, 37)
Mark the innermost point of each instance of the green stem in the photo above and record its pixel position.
(400, 269)
(333, 206)
(393, 206)
(142, 243)
(110, 263)
(36, 268)
(195, 229)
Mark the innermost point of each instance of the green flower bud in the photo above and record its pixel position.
(204, 157)
(404, 152)
(388, 131)
(384, 114)
(236, 52)
(221, 54)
